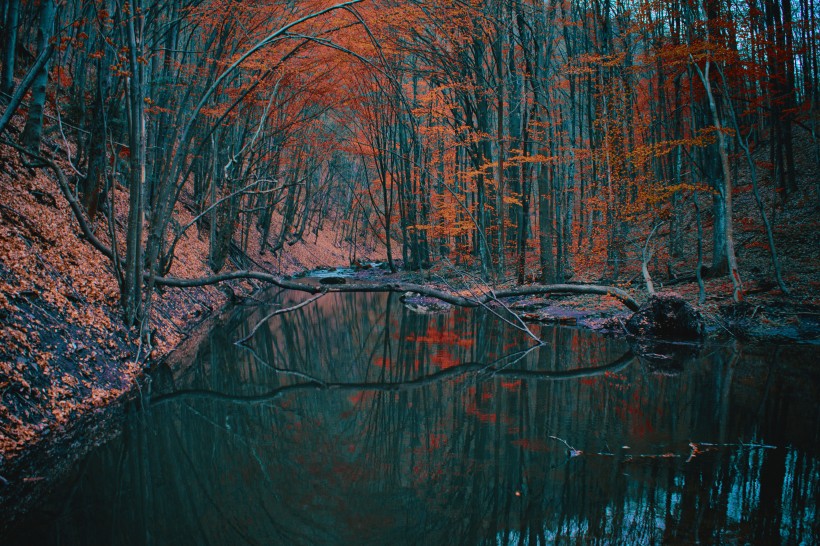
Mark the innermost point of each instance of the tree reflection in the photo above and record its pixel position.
(356, 421)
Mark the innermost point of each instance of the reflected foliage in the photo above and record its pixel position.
(357, 421)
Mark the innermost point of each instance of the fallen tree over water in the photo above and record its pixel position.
(401, 287)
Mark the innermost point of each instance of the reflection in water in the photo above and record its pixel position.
(356, 421)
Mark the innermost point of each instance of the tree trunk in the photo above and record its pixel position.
(33, 131)
(92, 183)
(10, 25)
(726, 188)
(699, 267)
(25, 84)
(545, 229)
(744, 144)
(132, 290)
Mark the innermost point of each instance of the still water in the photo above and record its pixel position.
(354, 420)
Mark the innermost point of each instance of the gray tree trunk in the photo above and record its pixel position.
(132, 291)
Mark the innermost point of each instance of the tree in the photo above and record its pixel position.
(10, 26)
(33, 130)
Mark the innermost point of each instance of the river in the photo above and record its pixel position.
(355, 420)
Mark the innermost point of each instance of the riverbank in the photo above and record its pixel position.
(764, 315)
(64, 351)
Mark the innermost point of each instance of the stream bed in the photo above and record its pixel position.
(354, 420)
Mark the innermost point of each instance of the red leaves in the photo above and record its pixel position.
(511, 385)
(442, 336)
(382, 362)
(444, 359)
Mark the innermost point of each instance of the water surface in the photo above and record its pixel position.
(356, 421)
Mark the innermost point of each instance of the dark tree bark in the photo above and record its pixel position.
(93, 181)
(33, 130)
(12, 21)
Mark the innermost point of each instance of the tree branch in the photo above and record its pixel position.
(28, 79)
(278, 312)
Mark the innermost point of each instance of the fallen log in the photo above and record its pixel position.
(594, 289)
(401, 287)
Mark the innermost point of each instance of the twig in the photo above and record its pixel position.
(278, 312)
(572, 451)
(717, 321)
(521, 355)
(490, 295)
(65, 143)
(694, 451)
(278, 370)
(740, 444)
(76, 208)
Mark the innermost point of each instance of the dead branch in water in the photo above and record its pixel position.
(278, 312)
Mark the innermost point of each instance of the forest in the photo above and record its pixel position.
(532, 141)
(159, 158)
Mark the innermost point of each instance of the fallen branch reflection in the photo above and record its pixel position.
(480, 370)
